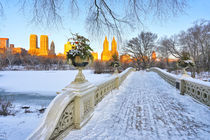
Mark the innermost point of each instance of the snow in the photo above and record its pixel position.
(34, 89)
(190, 79)
(43, 82)
(204, 76)
(146, 107)
(18, 127)
(197, 81)
(169, 74)
(191, 62)
(50, 119)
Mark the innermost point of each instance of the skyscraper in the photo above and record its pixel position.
(33, 49)
(114, 48)
(105, 55)
(43, 51)
(52, 49)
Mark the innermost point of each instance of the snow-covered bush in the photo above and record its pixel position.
(185, 60)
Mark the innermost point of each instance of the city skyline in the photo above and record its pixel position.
(19, 31)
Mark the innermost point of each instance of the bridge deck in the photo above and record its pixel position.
(146, 107)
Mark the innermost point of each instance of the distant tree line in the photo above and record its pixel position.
(10, 61)
(195, 41)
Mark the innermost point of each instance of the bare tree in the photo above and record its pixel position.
(2, 60)
(32, 60)
(10, 57)
(196, 40)
(1, 10)
(173, 46)
(163, 50)
(141, 48)
(201, 33)
(103, 15)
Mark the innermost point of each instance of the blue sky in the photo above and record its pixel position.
(17, 27)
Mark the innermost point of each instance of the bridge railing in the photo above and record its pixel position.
(74, 106)
(112, 83)
(198, 89)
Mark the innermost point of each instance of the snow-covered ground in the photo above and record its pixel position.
(205, 76)
(146, 107)
(34, 89)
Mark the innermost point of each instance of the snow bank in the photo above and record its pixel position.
(18, 127)
(190, 79)
(197, 81)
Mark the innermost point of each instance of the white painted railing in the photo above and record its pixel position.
(74, 106)
(198, 89)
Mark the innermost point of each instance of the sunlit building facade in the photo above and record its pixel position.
(95, 56)
(44, 46)
(114, 48)
(4, 44)
(106, 54)
(33, 48)
(125, 58)
(52, 49)
(154, 56)
(43, 51)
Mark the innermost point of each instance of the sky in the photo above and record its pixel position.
(17, 27)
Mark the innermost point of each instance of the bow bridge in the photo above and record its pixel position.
(151, 104)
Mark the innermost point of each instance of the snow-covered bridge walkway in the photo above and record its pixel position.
(146, 107)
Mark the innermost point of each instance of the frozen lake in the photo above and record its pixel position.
(29, 99)
(39, 87)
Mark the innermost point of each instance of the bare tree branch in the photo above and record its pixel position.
(1, 9)
(104, 15)
(141, 48)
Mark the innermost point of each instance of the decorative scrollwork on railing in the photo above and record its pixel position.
(196, 89)
(87, 107)
(103, 89)
(201, 93)
(65, 121)
(106, 87)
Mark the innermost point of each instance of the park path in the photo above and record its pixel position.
(146, 107)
